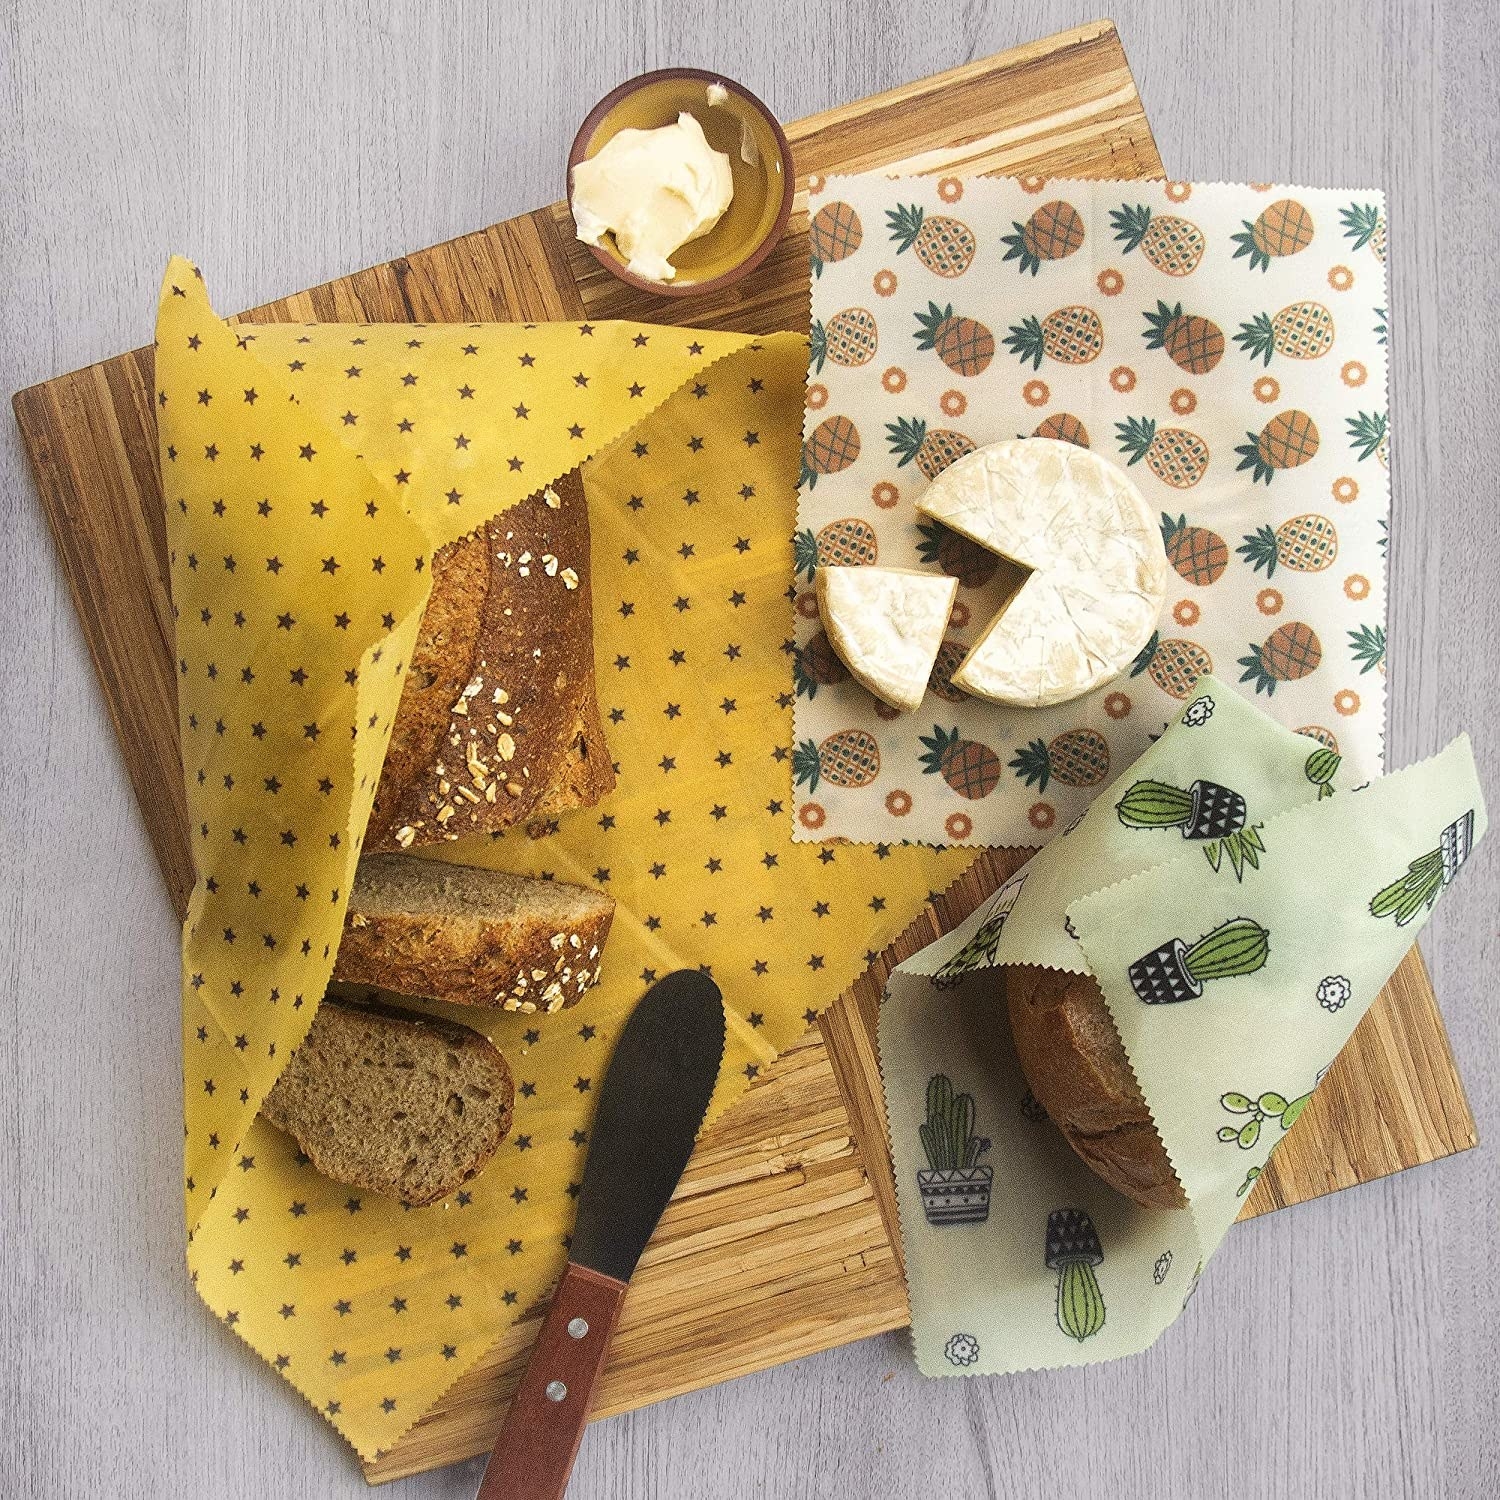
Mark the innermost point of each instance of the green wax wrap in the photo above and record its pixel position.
(1240, 907)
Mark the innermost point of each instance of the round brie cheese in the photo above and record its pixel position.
(886, 624)
(1098, 569)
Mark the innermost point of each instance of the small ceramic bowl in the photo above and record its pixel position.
(741, 126)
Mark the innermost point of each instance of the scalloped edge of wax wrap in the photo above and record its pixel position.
(441, 537)
(412, 605)
(952, 941)
(292, 1375)
(904, 1223)
(428, 544)
(410, 620)
(1301, 792)
(730, 1086)
(875, 175)
(199, 1243)
(919, 964)
(1318, 809)
(1092, 184)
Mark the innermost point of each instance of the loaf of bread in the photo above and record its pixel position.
(1076, 1066)
(405, 1105)
(469, 936)
(498, 723)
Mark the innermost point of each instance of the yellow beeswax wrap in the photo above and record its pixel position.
(309, 473)
(1224, 344)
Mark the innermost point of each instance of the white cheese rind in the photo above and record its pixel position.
(1099, 569)
(887, 625)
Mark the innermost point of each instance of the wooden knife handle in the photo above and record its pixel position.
(533, 1456)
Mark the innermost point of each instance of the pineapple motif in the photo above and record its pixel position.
(1175, 665)
(971, 769)
(963, 344)
(1369, 432)
(1063, 427)
(1053, 232)
(845, 543)
(1305, 544)
(1283, 228)
(828, 449)
(1070, 335)
(1301, 330)
(1198, 554)
(1176, 456)
(849, 758)
(835, 233)
(849, 338)
(1192, 343)
(816, 665)
(956, 555)
(1365, 225)
(1367, 646)
(1078, 758)
(1174, 246)
(944, 245)
(1325, 737)
(940, 681)
(1287, 441)
(933, 451)
(1288, 653)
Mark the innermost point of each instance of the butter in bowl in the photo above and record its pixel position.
(680, 182)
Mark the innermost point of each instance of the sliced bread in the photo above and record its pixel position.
(405, 1105)
(498, 721)
(471, 936)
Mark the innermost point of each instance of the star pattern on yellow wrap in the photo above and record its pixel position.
(306, 495)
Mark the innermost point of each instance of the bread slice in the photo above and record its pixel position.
(405, 1105)
(498, 722)
(470, 936)
(1075, 1063)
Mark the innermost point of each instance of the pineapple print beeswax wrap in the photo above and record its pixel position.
(1223, 344)
(310, 472)
(1240, 903)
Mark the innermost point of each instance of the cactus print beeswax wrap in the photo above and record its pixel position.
(1240, 903)
(310, 471)
(1224, 344)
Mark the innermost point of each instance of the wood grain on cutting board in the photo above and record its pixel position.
(777, 1243)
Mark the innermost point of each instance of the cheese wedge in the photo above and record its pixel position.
(886, 624)
(1098, 567)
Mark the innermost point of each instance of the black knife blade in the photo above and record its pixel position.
(654, 1098)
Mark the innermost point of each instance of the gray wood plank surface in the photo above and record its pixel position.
(1345, 1348)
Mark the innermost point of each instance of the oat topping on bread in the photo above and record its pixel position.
(498, 721)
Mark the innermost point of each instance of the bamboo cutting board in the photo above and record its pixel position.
(780, 1240)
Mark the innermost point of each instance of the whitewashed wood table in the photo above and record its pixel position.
(1347, 1347)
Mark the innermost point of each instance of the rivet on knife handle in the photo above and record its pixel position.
(656, 1091)
(537, 1445)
